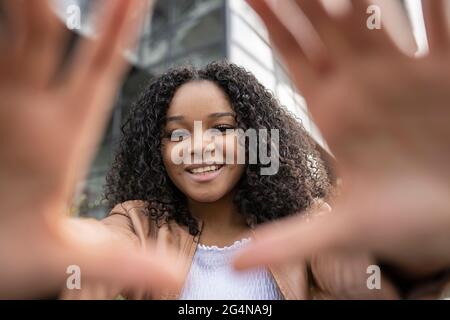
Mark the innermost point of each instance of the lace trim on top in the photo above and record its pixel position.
(236, 244)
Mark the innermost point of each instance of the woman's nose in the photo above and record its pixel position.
(202, 143)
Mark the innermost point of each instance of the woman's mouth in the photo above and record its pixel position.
(204, 173)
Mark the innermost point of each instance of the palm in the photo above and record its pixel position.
(385, 117)
(44, 146)
(392, 155)
(371, 112)
(59, 121)
(50, 123)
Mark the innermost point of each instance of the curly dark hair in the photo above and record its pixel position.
(138, 171)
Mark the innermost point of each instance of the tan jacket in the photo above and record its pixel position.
(335, 276)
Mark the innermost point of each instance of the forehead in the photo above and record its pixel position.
(199, 98)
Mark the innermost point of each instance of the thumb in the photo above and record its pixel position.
(296, 237)
(126, 268)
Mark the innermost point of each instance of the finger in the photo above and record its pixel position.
(436, 24)
(45, 272)
(396, 25)
(102, 59)
(358, 28)
(45, 42)
(291, 52)
(95, 76)
(36, 38)
(129, 269)
(328, 28)
(295, 238)
(15, 26)
(122, 270)
(114, 262)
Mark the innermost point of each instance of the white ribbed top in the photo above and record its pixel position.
(212, 276)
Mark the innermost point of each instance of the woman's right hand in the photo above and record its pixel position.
(50, 123)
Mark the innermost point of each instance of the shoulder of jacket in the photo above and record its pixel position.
(137, 215)
(126, 207)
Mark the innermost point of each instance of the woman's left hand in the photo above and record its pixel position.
(386, 118)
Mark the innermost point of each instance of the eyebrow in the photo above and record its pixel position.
(212, 115)
(222, 114)
(174, 118)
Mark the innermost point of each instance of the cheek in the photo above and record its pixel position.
(166, 153)
(240, 168)
(231, 178)
(172, 163)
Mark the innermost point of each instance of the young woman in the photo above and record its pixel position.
(206, 211)
(215, 204)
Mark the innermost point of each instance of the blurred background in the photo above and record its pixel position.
(195, 32)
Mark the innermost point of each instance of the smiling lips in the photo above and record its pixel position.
(204, 173)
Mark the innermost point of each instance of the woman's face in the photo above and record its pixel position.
(195, 142)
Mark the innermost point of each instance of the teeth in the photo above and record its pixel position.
(205, 169)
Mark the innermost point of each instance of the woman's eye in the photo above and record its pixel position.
(178, 135)
(224, 128)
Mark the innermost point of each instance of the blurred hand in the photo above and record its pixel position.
(50, 124)
(385, 116)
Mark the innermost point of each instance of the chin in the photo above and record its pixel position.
(207, 196)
